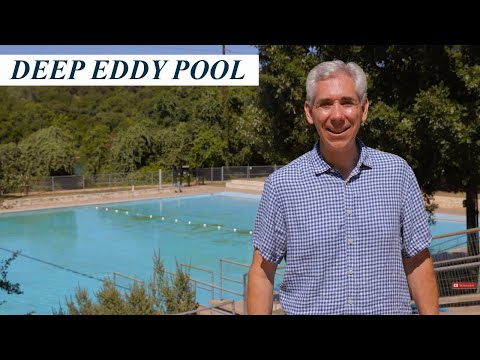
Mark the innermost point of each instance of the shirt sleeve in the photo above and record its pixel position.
(269, 234)
(416, 235)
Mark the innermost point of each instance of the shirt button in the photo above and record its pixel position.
(349, 301)
(349, 241)
(350, 271)
(349, 211)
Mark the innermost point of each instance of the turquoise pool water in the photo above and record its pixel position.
(447, 224)
(79, 246)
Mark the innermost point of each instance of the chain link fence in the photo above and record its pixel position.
(163, 178)
(225, 173)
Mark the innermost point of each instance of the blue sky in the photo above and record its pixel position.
(128, 49)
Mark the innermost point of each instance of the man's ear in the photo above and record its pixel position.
(365, 111)
(308, 112)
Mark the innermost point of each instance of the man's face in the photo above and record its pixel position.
(337, 112)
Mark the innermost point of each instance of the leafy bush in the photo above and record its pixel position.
(5, 284)
(162, 295)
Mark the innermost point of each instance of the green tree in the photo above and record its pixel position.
(48, 152)
(283, 73)
(435, 91)
(208, 148)
(162, 295)
(95, 147)
(10, 167)
(133, 147)
(178, 294)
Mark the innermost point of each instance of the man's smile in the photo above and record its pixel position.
(337, 131)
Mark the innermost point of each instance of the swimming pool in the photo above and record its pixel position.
(79, 246)
(446, 223)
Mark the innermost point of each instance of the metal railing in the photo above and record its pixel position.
(456, 272)
(199, 284)
(243, 282)
(117, 274)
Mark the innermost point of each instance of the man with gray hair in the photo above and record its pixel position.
(349, 220)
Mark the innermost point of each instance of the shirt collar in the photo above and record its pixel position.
(320, 166)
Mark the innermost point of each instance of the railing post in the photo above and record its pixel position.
(248, 171)
(275, 167)
(222, 173)
(109, 180)
(53, 184)
(245, 294)
(213, 282)
(211, 173)
(478, 281)
(221, 278)
(83, 181)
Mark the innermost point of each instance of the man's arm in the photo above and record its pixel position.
(422, 282)
(260, 286)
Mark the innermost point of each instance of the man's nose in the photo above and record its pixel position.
(337, 109)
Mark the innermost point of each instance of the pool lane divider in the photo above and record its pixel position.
(174, 220)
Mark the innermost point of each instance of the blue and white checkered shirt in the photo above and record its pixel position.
(343, 241)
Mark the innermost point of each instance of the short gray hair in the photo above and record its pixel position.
(326, 69)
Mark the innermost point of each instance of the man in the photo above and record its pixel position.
(348, 220)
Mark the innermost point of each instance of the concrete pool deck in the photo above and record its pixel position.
(76, 198)
(447, 203)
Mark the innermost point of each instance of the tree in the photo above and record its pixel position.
(162, 295)
(435, 90)
(132, 148)
(283, 73)
(10, 167)
(5, 284)
(48, 152)
(95, 148)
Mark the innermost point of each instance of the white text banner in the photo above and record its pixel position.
(129, 70)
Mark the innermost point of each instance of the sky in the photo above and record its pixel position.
(129, 49)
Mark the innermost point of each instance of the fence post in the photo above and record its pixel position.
(275, 167)
(211, 173)
(248, 171)
(53, 184)
(222, 173)
(83, 181)
(160, 179)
